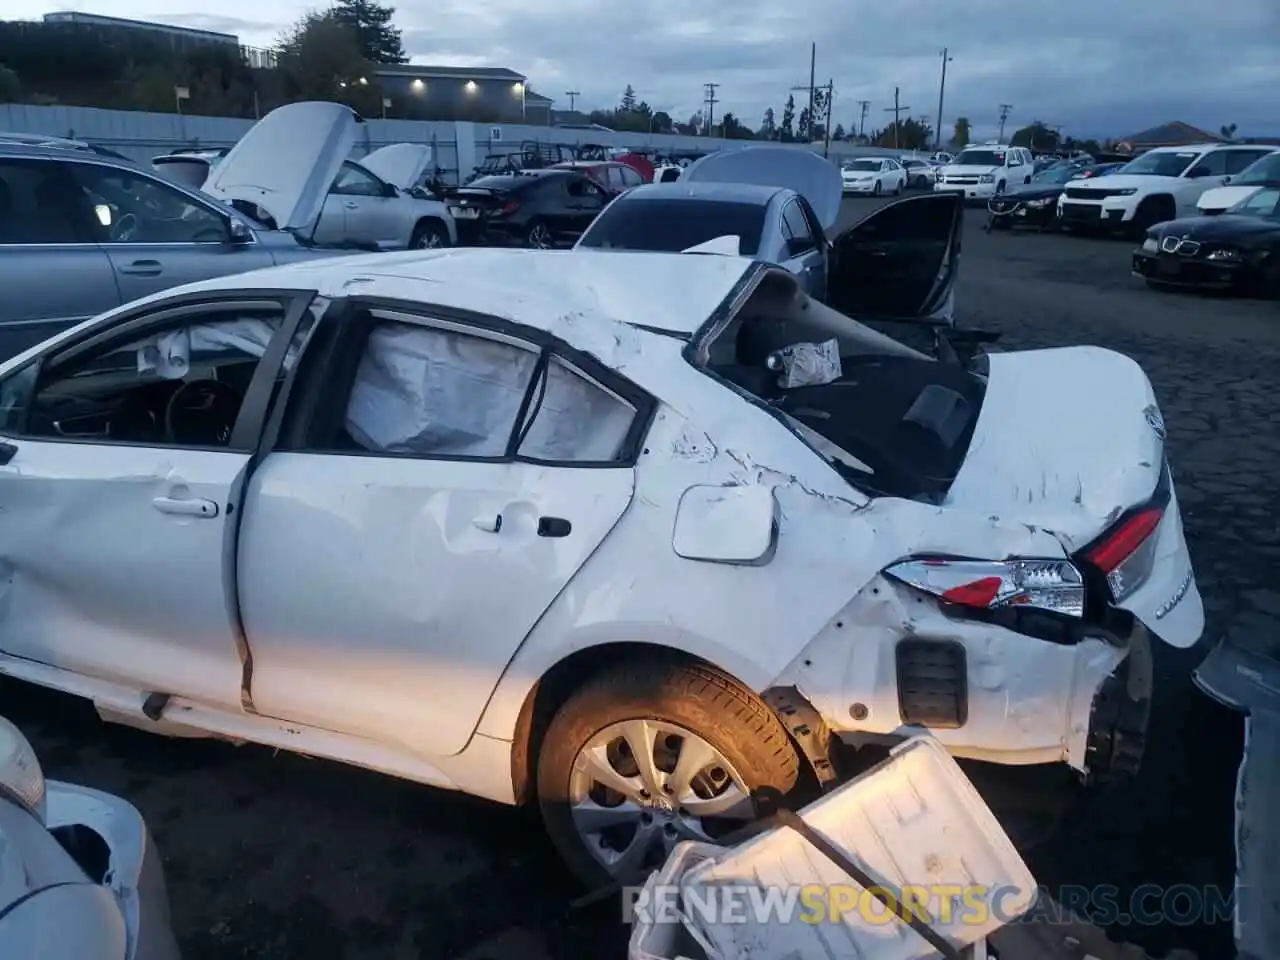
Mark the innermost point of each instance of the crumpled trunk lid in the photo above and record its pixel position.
(1068, 440)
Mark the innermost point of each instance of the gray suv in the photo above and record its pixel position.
(81, 233)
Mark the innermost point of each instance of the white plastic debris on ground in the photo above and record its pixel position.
(914, 825)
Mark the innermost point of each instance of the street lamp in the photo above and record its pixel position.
(518, 89)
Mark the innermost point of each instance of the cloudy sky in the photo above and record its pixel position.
(1095, 67)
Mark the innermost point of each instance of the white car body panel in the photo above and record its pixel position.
(354, 660)
(1220, 199)
(287, 161)
(400, 164)
(812, 176)
(890, 180)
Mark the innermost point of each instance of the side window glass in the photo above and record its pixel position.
(39, 204)
(1212, 164)
(1237, 160)
(431, 392)
(181, 386)
(576, 188)
(354, 182)
(575, 420)
(631, 178)
(133, 208)
(796, 227)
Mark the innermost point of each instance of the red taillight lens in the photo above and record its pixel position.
(1125, 540)
(508, 208)
(978, 593)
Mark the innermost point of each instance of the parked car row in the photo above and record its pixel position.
(1206, 215)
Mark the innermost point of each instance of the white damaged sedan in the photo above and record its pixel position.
(629, 535)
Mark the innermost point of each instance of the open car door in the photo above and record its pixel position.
(900, 263)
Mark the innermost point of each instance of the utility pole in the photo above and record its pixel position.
(1004, 115)
(863, 106)
(813, 63)
(573, 96)
(942, 89)
(897, 110)
(710, 100)
(826, 126)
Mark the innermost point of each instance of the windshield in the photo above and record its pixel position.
(980, 158)
(1264, 203)
(1156, 164)
(670, 226)
(1056, 174)
(1266, 170)
(862, 164)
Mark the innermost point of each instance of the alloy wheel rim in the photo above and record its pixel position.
(639, 787)
(429, 241)
(538, 237)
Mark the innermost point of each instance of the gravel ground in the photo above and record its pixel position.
(275, 857)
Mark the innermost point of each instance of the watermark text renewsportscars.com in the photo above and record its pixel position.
(942, 904)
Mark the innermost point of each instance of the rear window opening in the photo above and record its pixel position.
(891, 420)
(669, 226)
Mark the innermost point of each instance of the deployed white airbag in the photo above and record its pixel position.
(428, 391)
(437, 392)
(168, 355)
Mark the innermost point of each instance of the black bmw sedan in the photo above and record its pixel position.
(1237, 251)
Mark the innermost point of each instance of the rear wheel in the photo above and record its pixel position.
(650, 753)
(429, 235)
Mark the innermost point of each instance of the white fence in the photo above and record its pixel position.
(457, 145)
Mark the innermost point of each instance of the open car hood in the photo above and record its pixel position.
(287, 161)
(187, 170)
(792, 168)
(399, 164)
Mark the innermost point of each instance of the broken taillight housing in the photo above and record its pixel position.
(1054, 585)
(1127, 553)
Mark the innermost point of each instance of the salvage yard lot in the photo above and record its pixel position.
(279, 857)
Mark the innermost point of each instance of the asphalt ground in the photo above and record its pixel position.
(275, 857)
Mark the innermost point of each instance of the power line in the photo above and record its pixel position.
(573, 96)
(897, 110)
(709, 99)
(1004, 115)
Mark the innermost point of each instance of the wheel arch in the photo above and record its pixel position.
(559, 682)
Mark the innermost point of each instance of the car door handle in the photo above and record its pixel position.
(554, 527)
(143, 268)
(351, 205)
(193, 507)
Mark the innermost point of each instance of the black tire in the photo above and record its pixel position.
(875, 191)
(429, 235)
(1269, 285)
(703, 700)
(537, 227)
(1151, 211)
(1000, 188)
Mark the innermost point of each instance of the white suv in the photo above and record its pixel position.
(1162, 184)
(982, 172)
